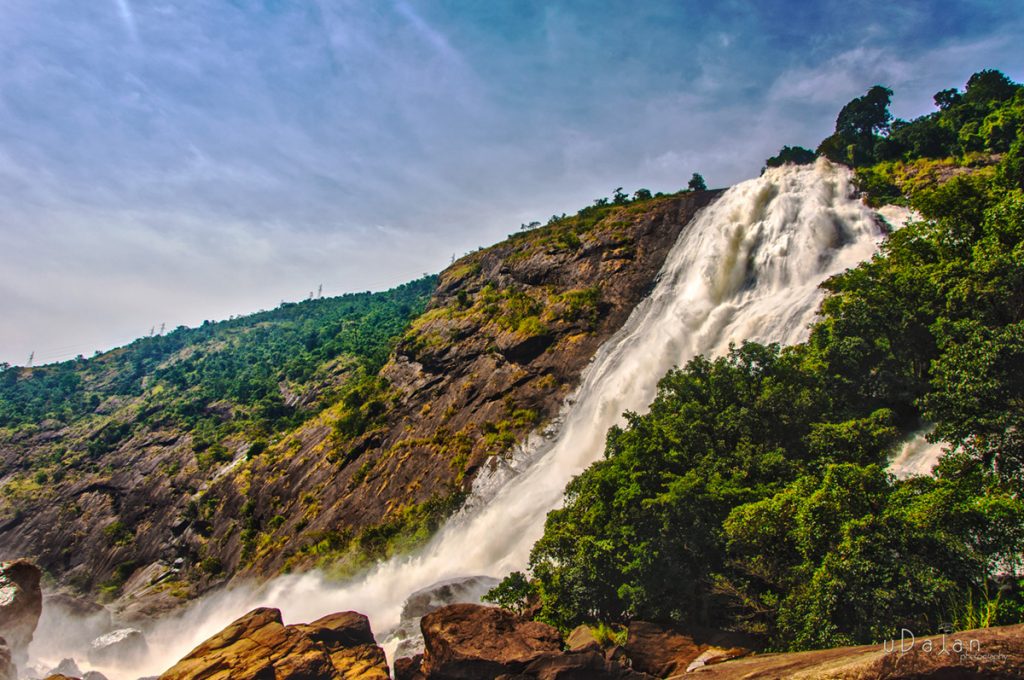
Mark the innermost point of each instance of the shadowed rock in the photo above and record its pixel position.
(21, 603)
(474, 642)
(664, 651)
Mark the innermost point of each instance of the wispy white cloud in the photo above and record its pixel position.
(128, 17)
(227, 155)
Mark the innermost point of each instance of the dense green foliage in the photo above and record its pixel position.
(244, 365)
(986, 117)
(754, 495)
(796, 155)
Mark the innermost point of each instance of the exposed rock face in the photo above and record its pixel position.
(258, 646)
(504, 340)
(21, 603)
(472, 642)
(662, 651)
(996, 653)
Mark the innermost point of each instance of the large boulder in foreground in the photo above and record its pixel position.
(663, 651)
(258, 646)
(991, 653)
(474, 642)
(21, 603)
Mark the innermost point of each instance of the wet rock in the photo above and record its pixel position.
(21, 603)
(453, 591)
(474, 642)
(258, 646)
(124, 646)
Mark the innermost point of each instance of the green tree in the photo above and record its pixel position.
(796, 155)
(697, 183)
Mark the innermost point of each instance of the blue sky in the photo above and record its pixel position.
(169, 162)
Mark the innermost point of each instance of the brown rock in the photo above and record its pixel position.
(365, 662)
(21, 603)
(996, 653)
(585, 665)
(713, 655)
(258, 646)
(255, 647)
(342, 629)
(474, 642)
(582, 639)
(408, 668)
(664, 651)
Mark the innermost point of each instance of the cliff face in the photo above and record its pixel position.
(504, 339)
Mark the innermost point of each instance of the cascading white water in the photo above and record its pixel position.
(917, 455)
(747, 267)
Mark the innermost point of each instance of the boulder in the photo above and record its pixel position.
(474, 642)
(663, 651)
(996, 653)
(124, 646)
(344, 629)
(258, 646)
(408, 668)
(21, 603)
(433, 597)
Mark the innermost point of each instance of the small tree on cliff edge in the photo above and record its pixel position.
(697, 183)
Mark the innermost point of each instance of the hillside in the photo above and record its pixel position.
(329, 432)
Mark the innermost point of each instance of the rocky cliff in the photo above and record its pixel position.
(151, 519)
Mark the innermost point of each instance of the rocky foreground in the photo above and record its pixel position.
(476, 642)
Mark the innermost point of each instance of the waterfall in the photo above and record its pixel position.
(747, 267)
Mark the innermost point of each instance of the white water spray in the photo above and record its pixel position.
(917, 456)
(747, 267)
